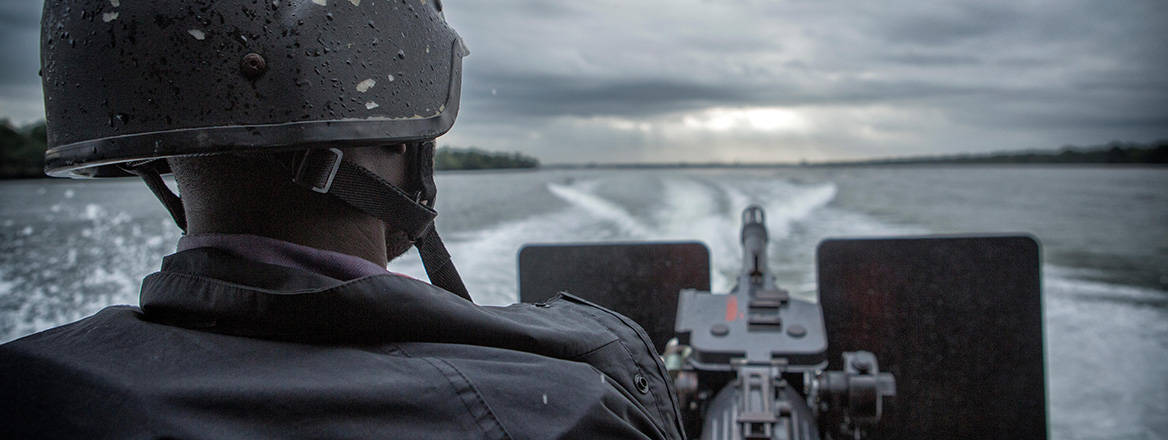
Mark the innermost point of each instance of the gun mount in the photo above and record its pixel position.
(757, 322)
(752, 363)
(753, 360)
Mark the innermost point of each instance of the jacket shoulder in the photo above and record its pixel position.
(630, 359)
(57, 372)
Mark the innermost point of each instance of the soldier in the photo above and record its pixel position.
(301, 134)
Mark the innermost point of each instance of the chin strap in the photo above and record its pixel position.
(438, 265)
(439, 268)
(169, 199)
(326, 171)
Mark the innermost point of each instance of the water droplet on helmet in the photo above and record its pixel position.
(118, 120)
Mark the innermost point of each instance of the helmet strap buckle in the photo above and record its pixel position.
(318, 168)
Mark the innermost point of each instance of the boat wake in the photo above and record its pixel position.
(601, 210)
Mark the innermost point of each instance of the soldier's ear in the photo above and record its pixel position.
(396, 148)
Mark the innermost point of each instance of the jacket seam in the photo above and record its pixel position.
(656, 363)
(478, 396)
(661, 372)
(659, 424)
(594, 350)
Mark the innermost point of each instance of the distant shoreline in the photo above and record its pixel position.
(22, 153)
(715, 166)
(652, 166)
(1113, 154)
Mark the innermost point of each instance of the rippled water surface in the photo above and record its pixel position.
(69, 248)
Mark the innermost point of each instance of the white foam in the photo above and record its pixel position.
(692, 211)
(98, 266)
(1077, 282)
(1103, 332)
(785, 203)
(92, 212)
(487, 258)
(581, 194)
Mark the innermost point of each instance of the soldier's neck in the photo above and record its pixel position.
(339, 229)
(242, 195)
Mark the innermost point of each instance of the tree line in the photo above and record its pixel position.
(452, 158)
(22, 154)
(22, 150)
(1114, 152)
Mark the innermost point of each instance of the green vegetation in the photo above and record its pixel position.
(450, 158)
(22, 154)
(1115, 152)
(22, 150)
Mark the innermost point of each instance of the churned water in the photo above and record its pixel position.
(70, 248)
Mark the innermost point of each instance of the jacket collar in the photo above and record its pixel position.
(214, 290)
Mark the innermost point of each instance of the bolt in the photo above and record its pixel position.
(253, 65)
(796, 331)
(719, 330)
(861, 365)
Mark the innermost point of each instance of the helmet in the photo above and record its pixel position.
(130, 82)
(135, 80)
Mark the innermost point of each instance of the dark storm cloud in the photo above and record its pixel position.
(944, 26)
(921, 59)
(777, 80)
(972, 75)
(551, 95)
(20, 14)
(20, 97)
(977, 34)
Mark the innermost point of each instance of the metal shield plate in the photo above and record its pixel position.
(638, 280)
(957, 320)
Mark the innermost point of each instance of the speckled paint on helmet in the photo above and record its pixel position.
(128, 80)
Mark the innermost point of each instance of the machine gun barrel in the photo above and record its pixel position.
(754, 244)
(755, 280)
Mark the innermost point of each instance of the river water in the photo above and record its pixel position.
(69, 248)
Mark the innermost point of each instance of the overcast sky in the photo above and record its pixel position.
(772, 80)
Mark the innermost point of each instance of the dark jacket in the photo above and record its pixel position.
(225, 347)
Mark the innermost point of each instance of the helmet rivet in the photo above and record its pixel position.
(253, 65)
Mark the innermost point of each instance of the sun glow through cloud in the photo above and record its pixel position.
(768, 119)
